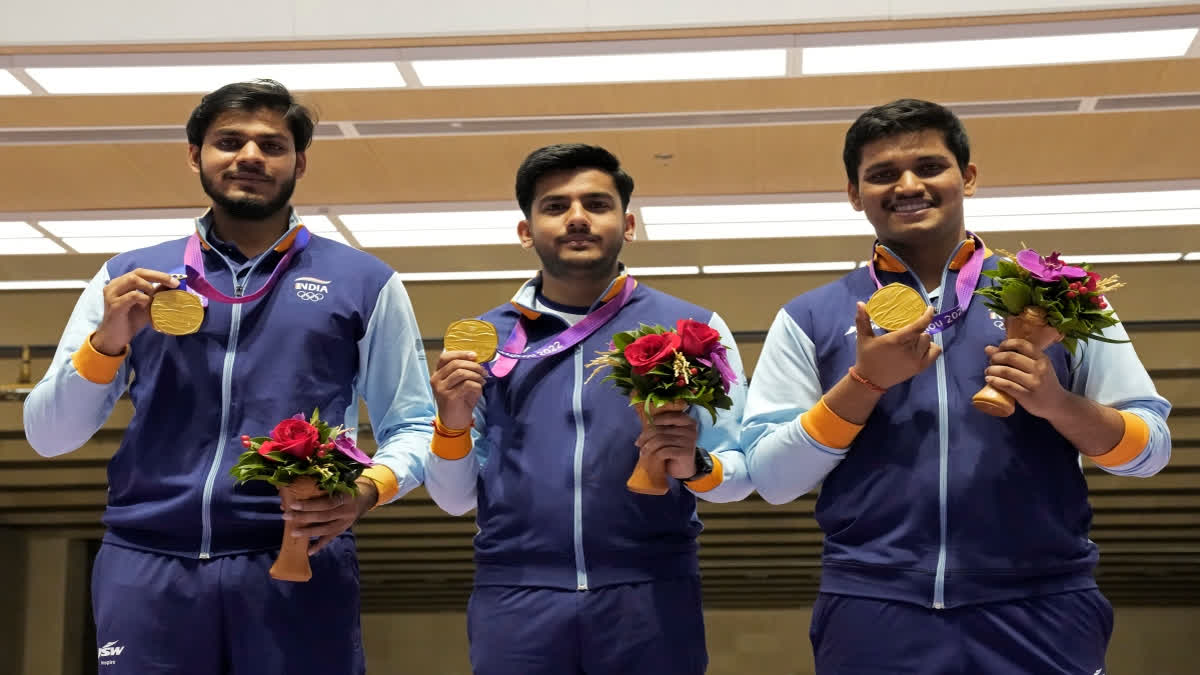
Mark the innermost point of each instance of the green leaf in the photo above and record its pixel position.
(623, 340)
(1008, 269)
(1015, 297)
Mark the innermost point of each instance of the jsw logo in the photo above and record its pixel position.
(111, 649)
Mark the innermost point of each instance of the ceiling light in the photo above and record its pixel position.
(705, 65)
(29, 246)
(318, 223)
(1192, 257)
(11, 86)
(749, 213)
(400, 238)
(53, 284)
(781, 267)
(17, 230)
(1017, 51)
(1123, 258)
(684, 270)
(467, 276)
(114, 244)
(140, 227)
(183, 79)
(1082, 221)
(1106, 202)
(689, 231)
(429, 220)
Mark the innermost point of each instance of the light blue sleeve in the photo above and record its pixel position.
(394, 381)
(722, 439)
(64, 410)
(785, 461)
(452, 483)
(1113, 375)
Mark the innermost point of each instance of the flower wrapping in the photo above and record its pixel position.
(300, 446)
(655, 366)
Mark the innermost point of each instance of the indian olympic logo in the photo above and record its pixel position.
(312, 289)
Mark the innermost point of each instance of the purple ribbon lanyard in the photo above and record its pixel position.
(964, 287)
(193, 261)
(514, 347)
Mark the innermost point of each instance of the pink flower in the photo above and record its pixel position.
(345, 445)
(1048, 268)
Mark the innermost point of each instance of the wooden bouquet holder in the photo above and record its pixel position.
(1029, 325)
(292, 563)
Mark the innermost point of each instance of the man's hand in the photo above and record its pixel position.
(457, 385)
(892, 358)
(1021, 371)
(127, 308)
(327, 517)
(672, 439)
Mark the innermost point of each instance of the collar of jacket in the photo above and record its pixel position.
(523, 301)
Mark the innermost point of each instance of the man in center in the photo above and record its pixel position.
(575, 573)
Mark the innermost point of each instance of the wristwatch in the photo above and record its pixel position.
(704, 465)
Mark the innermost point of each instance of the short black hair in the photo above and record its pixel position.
(250, 96)
(569, 157)
(906, 115)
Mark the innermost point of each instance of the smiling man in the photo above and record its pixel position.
(955, 542)
(180, 584)
(574, 573)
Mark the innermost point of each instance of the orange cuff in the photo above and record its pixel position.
(1136, 438)
(710, 481)
(95, 367)
(450, 444)
(385, 482)
(827, 428)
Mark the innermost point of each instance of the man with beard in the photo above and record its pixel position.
(181, 580)
(575, 573)
(955, 542)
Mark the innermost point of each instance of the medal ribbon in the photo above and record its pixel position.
(964, 286)
(193, 262)
(514, 347)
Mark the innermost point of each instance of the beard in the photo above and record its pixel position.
(250, 208)
(594, 268)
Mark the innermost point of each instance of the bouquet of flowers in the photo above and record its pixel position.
(303, 458)
(1044, 300)
(667, 370)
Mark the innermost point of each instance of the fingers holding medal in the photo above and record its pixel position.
(458, 381)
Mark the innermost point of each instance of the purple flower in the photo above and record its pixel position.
(300, 416)
(1048, 268)
(721, 361)
(345, 445)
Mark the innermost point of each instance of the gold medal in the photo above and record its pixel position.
(472, 335)
(895, 306)
(176, 312)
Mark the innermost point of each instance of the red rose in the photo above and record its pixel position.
(648, 351)
(697, 338)
(293, 437)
